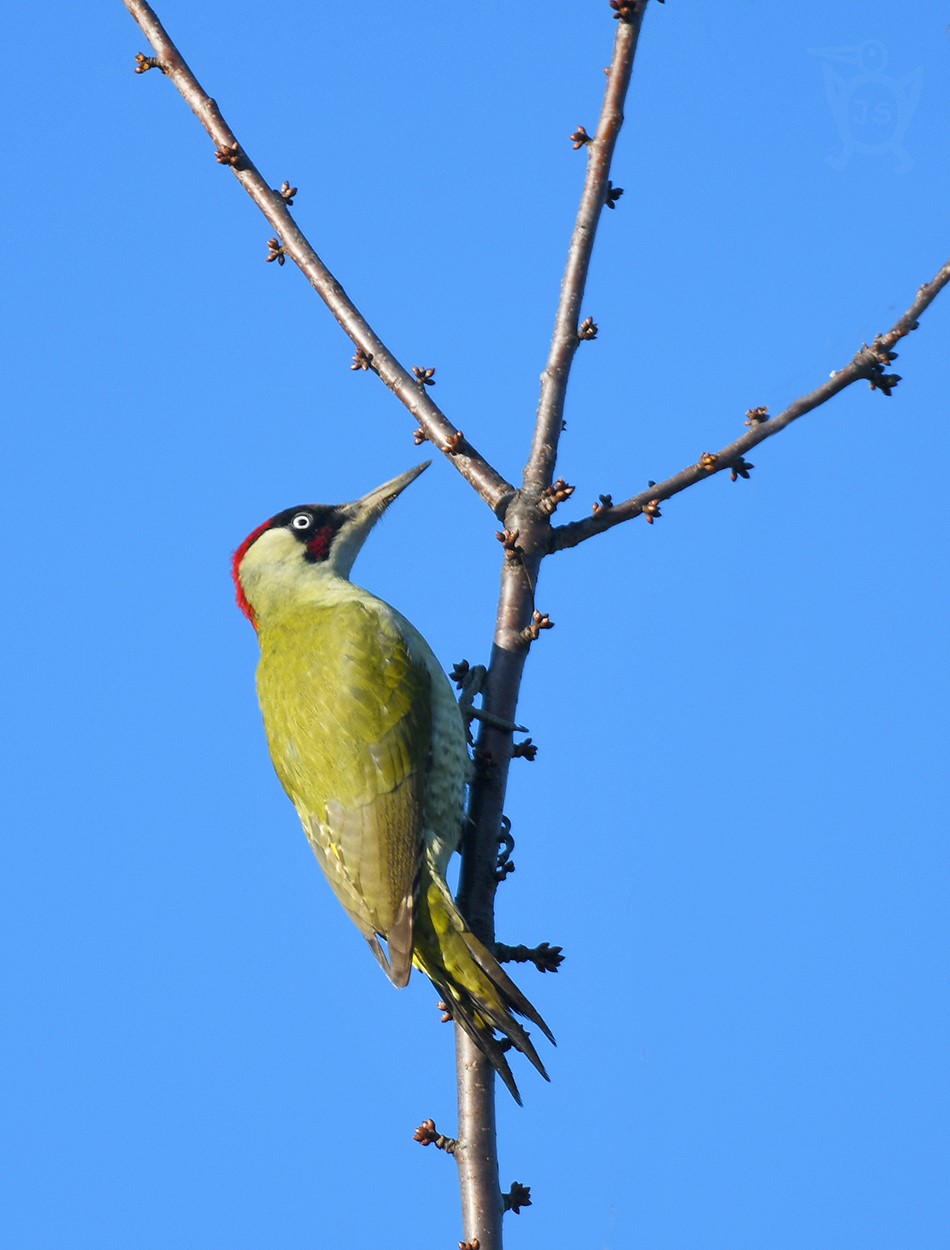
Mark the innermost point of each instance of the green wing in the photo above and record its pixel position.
(347, 710)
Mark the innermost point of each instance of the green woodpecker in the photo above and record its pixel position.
(368, 741)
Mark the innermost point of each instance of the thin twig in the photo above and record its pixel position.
(438, 429)
(864, 364)
(539, 472)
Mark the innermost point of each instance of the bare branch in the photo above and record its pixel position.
(477, 1153)
(293, 244)
(525, 538)
(539, 471)
(868, 363)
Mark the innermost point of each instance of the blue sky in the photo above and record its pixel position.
(736, 825)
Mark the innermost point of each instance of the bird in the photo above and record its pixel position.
(369, 743)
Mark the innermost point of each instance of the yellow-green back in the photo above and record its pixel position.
(347, 712)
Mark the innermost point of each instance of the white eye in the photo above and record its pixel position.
(302, 521)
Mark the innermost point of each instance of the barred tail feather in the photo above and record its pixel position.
(480, 995)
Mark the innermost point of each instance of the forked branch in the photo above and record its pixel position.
(525, 538)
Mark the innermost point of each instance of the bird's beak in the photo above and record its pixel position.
(377, 501)
(362, 515)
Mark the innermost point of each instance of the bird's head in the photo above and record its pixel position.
(302, 548)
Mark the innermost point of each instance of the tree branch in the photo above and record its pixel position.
(868, 363)
(477, 1157)
(438, 429)
(539, 471)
